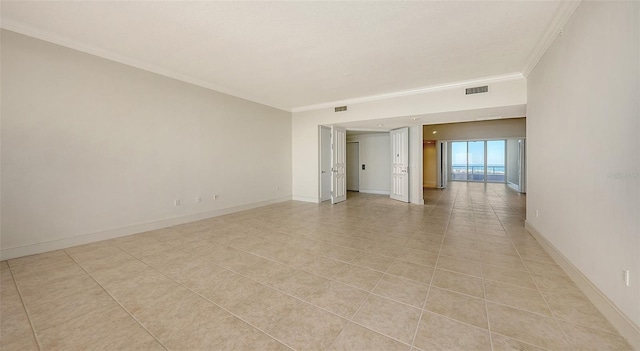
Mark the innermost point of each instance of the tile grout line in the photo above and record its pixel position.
(332, 277)
(486, 304)
(208, 300)
(486, 308)
(564, 336)
(371, 293)
(351, 321)
(300, 301)
(484, 290)
(116, 300)
(424, 303)
(24, 307)
(470, 197)
(329, 279)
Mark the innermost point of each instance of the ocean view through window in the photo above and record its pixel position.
(478, 160)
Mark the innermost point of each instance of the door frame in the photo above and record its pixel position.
(442, 166)
(522, 160)
(358, 165)
(324, 154)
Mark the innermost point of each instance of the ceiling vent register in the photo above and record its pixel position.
(341, 108)
(477, 90)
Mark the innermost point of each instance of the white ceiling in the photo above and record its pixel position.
(296, 54)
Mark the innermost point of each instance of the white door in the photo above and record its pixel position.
(353, 166)
(338, 164)
(522, 171)
(443, 156)
(325, 163)
(400, 164)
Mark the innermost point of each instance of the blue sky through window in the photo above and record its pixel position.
(495, 152)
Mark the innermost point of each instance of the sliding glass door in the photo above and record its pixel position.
(495, 161)
(458, 160)
(479, 160)
(475, 161)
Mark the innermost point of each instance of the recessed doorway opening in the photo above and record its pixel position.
(478, 161)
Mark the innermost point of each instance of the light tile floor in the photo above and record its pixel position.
(459, 273)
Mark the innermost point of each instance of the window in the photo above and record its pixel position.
(495, 160)
(479, 160)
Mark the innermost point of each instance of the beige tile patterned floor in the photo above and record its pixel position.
(459, 273)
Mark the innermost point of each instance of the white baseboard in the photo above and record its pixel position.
(57, 244)
(625, 326)
(305, 199)
(376, 192)
(515, 187)
(418, 202)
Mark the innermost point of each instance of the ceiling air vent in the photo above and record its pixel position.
(341, 108)
(477, 90)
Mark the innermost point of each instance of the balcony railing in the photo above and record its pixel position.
(494, 173)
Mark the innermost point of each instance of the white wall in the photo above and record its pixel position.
(477, 130)
(305, 126)
(375, 154)
(583, 139)
(94, 149)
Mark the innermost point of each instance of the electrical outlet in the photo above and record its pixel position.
(176, 202)
(625, 277)
(216, 196)
(198, 199)
(537, 213)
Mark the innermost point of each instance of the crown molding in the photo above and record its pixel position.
(427, 89)
(560, 18)
(112, 56)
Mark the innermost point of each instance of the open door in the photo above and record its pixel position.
(338, 164)
(522, 171)
(442, 165)
(325, 163)
(400, 164)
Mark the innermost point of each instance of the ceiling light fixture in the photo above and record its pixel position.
(435, 132)
(380, 125)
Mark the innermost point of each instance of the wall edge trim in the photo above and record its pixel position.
(63, 243)
(427, 89)
(305, 199)
(376, 192)
(20, 28)
(561, 17)
(625, 326)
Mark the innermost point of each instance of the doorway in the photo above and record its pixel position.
(353, 166)
(516, 164)
(429, 162)
(325, 163)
